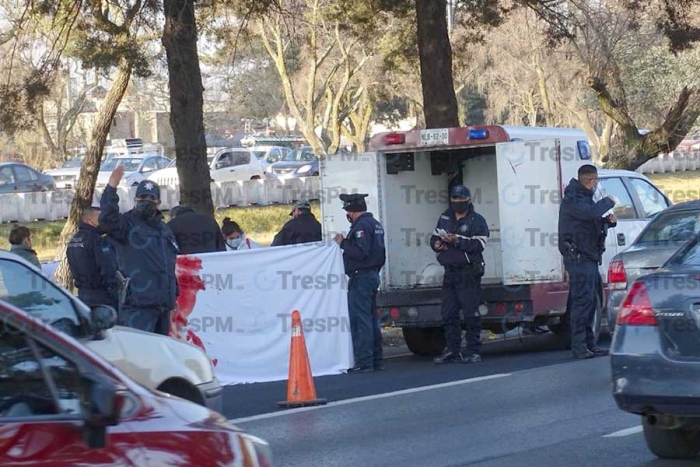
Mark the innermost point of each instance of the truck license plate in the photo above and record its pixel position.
(434, 137)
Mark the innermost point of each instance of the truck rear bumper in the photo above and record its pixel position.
(500, 304)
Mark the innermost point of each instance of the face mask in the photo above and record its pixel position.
(234, 243)
(146, 208)
(460, 206)
(347, 216)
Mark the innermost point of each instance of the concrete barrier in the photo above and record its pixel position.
(55, 205)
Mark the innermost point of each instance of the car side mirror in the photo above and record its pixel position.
(220, 165)
(102, 317)
(104, 402)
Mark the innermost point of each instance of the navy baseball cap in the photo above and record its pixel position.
(460, 191)
(147, 188)
(354, 202)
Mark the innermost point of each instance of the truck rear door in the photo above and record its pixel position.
(529, 181)
(346, 173)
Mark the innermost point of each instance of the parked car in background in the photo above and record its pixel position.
(661, 238)
(63, 404)
(268, 155)
(67, 176)
(227, 165)
(20, 178)
(236, 165)
(301, 162)
(155, 361)
(655, 354)
(136, 168)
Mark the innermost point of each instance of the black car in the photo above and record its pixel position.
(655, 354)
(20, 178)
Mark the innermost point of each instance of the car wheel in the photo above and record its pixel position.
(183, 390)
(255, 178)
(677, 443)
(424, 341)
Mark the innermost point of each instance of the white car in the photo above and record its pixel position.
(154, 361)
(67, 176)
(227, 165)
(268, 155)
(136, 168)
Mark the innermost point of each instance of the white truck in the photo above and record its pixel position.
(516, 176)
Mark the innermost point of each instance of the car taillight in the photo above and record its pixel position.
(636, 309)
(617, 276)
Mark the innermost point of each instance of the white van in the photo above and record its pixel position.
(516, 175)
(154, 361)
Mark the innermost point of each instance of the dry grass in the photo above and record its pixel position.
(261, 223)
(678, 186)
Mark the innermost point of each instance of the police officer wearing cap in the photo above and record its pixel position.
(364, 256)
(459, 250)
(93, 262)
(302, 228)
(146, 251)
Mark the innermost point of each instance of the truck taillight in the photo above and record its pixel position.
(394, 138)
(636, 309)
(519, 307)
(617, 276)
(394, 313)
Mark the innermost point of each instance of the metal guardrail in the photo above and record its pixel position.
(55, 205)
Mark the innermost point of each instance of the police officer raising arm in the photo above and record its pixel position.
(146, 251)
(459, 241)
(582, 231)
(93, 262)
(364, 256)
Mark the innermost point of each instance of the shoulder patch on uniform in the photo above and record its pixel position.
(359, 234)
(447, 218)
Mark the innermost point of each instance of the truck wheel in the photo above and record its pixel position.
(428, 342)
(678, 443)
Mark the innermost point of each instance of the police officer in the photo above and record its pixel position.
(302, 228)
(146, 251)
(93, 262)
(363, 256)
(459, 250)
(582, 231)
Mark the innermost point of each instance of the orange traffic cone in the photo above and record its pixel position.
(301, 391)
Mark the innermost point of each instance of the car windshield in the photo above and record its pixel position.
(301, 155)
(672, 227)
(73, 163)
(35, 294)
(130, 165)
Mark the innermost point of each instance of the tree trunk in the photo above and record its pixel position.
(85, 189)
(439, 99)
(186, 105)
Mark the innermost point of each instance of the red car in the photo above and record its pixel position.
(62, 404)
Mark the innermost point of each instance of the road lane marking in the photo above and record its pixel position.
(626, 432)
(369, 398)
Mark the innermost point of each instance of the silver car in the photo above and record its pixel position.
(660, 239)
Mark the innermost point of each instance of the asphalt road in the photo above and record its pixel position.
(527, 404)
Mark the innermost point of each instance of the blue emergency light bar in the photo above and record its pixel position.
(478, 134)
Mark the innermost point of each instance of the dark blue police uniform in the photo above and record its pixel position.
(147, 252)
(364, 256)
(461, 286)
(582, 233)
(93, 263)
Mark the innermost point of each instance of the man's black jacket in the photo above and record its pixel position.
(302, 229)
(196, 233)
(581, 222)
